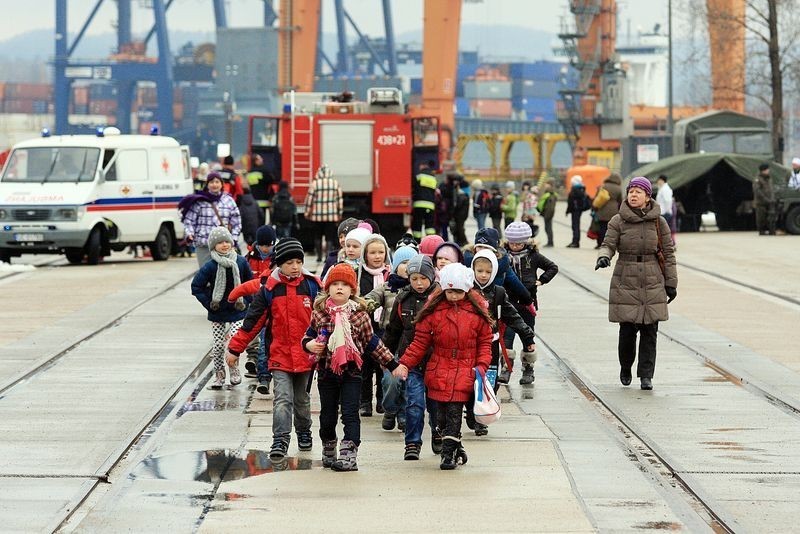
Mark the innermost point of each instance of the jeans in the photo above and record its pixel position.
(648, 334)
(394, 395)
(290, 397)
(262, 362)
(480, 218)
(416, 403)
(371, 372)
(336, 390)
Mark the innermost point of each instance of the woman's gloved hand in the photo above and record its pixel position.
(602, 263)
(671, 293)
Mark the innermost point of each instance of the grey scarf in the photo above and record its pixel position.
(223, 264)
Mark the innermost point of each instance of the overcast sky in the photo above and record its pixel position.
(199, 14)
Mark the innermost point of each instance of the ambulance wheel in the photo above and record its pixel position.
(74, 255)
(5, 256)
(162, 246)
(94, 247)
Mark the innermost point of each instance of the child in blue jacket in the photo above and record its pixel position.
(211, 286)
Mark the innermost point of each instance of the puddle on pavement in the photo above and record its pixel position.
(219, 465)
(716, 378)
(210, 405)
(733, 429)
(659, 525)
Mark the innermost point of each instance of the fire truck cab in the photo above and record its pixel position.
(374, 149)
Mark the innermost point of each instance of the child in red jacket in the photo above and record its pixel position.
(339, 334)
(457, 324)
(260, 259)
(284, 306)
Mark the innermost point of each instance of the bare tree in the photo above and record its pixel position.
(770, 28)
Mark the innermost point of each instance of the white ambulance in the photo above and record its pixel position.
(84, 195)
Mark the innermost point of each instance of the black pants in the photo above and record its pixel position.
(420, 217)
(371, 371)
(459, 235)
(334, 391)
(548, 229)
(601, 235)
(648, 334)
(448, 418)
(576, 227)
(328, 231)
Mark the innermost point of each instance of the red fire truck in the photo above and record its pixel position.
(374, 149)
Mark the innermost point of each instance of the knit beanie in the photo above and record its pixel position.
(341, 272)
(642, 183)
(429, 244)
(376, 238)
(577, 180)
(407, 240)
(488, 237)
(348, 224)
(265, 235)
(510, 185)
(422, 264)
(402, 254)
(456, 276)
(359, 234)
(518, 232)
(287, 249)
(449, 250)
(218, 235)
(213, 176)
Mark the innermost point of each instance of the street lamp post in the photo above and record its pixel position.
(670, 119)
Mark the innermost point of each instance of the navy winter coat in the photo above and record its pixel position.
(203, 288)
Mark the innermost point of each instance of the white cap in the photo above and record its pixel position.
(796, 161)
(577, 180)
(456, 276)
(510, 185)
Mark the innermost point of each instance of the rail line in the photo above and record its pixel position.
(651, 458)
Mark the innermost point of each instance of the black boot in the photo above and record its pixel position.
(450, 453)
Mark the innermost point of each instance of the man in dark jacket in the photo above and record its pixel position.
(577, 203)
(764, 201)
(423, 201)
(609, 207)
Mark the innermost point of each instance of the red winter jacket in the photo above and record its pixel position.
(461, 339)
(257, 265)
(288, 311)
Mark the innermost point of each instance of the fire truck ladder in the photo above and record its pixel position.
(302, 149)
(570, 113)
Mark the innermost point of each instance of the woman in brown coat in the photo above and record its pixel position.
(639, 291)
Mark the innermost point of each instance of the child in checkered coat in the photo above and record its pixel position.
(339, 335)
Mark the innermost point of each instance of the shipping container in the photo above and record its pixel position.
(177, 111)
(102, 91)
(540, 70)
(500, 109)
(462, 107)
(466, 70)
(535, 89)
(534, 105)
(31, 91)
(80, 95)
(102, 107)
(416, 85)
(483, 89)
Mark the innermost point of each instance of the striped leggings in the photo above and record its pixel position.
(222, 332)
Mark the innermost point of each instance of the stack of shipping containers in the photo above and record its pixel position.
(27, 98)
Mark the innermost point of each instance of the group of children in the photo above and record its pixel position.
(420, 319)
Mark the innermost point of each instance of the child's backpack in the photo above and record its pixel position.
(482, 199)
(283, 209)
(496, 206)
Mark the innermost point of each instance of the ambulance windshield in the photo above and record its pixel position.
(51, 164)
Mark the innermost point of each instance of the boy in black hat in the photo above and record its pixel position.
(283, 306)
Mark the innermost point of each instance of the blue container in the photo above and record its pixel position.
(540, 70)
(535, 106)
(466, 70)
(416, 86)
(462, 107)
(102, 91)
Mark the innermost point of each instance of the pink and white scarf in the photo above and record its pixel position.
(340, 343)
(379, 276)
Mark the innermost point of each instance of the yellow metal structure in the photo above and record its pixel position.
(541, 145)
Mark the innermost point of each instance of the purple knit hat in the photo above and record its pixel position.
(642, 183)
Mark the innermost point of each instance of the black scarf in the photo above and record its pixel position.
(188, 201)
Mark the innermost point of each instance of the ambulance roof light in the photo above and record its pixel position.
(111, 130)
(154, 130)
(45, 132)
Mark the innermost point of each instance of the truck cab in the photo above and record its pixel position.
(84, 196)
